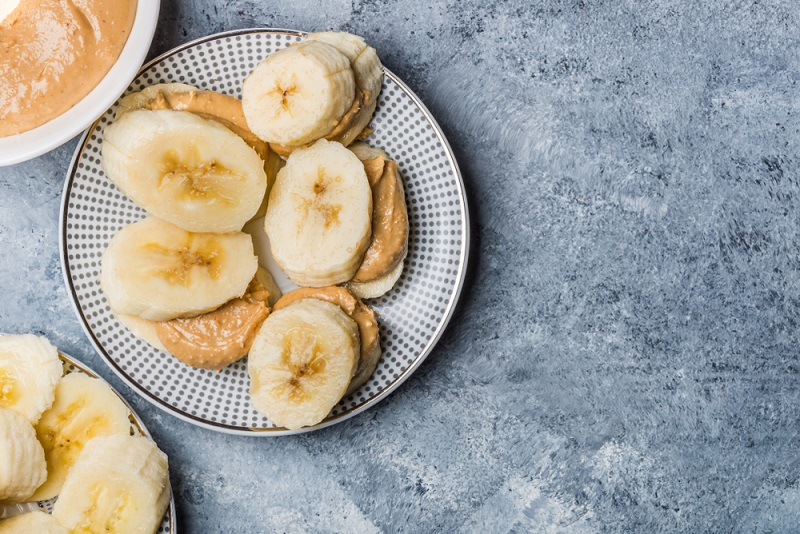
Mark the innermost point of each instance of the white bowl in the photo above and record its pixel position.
(27, 145)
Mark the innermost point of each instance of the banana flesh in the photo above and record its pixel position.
(157, 271)
(319, 215)
(190, 171)
(298, 94)
(368, 76)
(29, 372)
(302, 362)
(30, 523)
(119, 483)
(22, 462)
(84, 408)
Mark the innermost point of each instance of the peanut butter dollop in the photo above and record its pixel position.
(217, 339)
(389, 221)
(352, 306)
(224, 109)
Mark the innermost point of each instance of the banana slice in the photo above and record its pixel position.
(22, 464)
(157, 271)
(29, 372)
(192, 172)
(368, 331)
(368, 74)
(366, 368)
(85, 407)
(298, 94)
(32, 522)
(225, 109)
(378, 287)
(319, 215)
(302, 361)
(119, 483)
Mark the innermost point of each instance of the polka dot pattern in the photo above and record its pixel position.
(412, 315)
(71, 365)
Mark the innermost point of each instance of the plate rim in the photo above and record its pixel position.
(82, 367)
(277, 431)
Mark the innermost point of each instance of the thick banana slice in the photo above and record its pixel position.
(302, 361)
(157, 271)
(119, 483)
(355, 309)
(368, 73)
(85, 407)
(22, 464)
(298, 94)
(319, 215)
(192, 172)
(29, 372)
(32, 523)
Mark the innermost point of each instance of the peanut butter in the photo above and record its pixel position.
(53, 53)
(352, 306)
(218, 338)
(389, 221)
(224, 109)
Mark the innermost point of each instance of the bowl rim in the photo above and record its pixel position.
(57, 131)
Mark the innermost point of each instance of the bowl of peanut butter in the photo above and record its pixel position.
(62, 64)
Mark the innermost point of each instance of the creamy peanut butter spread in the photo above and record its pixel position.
(224, 109)
(53, 53)
(352, 306)
(343, 131)
(217, 339)
(389, 221)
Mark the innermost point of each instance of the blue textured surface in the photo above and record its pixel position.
(625, 357)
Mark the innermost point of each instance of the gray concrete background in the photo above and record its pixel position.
(625, 357)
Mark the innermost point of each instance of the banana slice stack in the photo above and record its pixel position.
(72, 438)
(201, 164)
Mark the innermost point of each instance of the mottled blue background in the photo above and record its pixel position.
(625, 356)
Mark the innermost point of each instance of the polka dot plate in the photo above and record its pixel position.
(71, 365)
(412, 316)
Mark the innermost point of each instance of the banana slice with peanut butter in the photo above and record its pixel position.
(215, 339)
(363, 316)
(383, 261)
(224, 109)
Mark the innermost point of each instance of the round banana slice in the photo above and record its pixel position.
(32, 522)
(298, 94)
(319, 215)
(119, 483)
(29, 372)
(157, 271)
(192, 172)
(85, 407)
(302, 361)
(22, 464)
